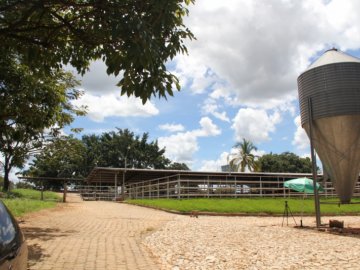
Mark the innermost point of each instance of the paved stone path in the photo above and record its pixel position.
(92, 235)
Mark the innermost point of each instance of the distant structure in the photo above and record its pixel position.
(225, 168)
(329, 94)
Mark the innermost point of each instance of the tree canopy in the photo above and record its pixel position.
(71, 157)
(285, 162)
(63, 157)
(135, 38)
(244, 158)
(122, 148)
(30, 103)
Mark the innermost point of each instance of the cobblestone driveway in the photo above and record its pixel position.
(91, 235)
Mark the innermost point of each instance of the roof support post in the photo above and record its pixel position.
(123, 186)
(116, 187)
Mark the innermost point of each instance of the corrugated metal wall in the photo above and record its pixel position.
(334, 90)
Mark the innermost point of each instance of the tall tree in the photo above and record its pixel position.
(31, 102)
(122, 148)
(244, 158)
(285, 162)
(135, 38)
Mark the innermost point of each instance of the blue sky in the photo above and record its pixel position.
(238, 81)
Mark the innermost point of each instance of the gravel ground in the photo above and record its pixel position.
(252, 243)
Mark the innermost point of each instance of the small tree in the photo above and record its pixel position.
(62, 157)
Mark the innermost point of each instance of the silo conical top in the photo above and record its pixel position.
(332, 56)
(332, 83)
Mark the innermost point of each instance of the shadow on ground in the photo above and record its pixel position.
(347, 232)
(45, 234)
(36, 252)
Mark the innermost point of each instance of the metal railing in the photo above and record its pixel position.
(181, 187)
(98, 193)
(186, 188)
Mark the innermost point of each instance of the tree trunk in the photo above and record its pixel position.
(6, 180)
(7, 169)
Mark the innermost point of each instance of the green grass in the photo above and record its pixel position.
(250, 206)
(22, 201)
(34, 194)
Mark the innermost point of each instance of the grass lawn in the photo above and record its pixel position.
(250, 206)
(22, 201)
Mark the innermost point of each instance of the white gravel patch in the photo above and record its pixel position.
(252, 243)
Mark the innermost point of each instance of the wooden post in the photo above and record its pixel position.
(261, 189)
(42, 190)
(65, 191)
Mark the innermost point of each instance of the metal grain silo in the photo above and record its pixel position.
(329, 91)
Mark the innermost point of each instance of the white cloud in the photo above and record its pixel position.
(100, 107)
(96, 80)
(254, 125)
(172, 127)
(225, 157)
(258, 153)
(193, 74)
(181, 146)
(214, 165)
(251, 52)
(301, 140)
(208, 128)
(211, 107)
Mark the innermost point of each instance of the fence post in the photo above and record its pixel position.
(158, 189)
(235, 188)
(167, 188)
(208, 187)
(179, 187)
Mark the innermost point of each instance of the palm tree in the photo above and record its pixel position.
(244, 158)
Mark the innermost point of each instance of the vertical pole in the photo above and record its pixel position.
(123, 186)
(261, 189)
(65, 190)
(208, 187)
(314, 169)
(167, 187)
(235, 188)
(179, 187)
(42, 190)
(115, 185)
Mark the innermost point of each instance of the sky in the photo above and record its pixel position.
(238, 81)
